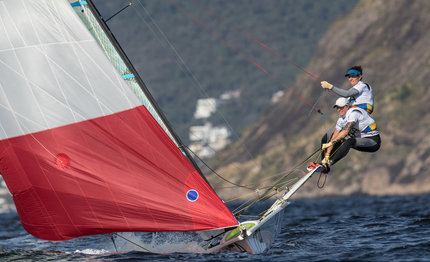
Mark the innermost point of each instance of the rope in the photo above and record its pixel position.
(325, 177)
(268, 48)
(113, 241)
(187, 70)
(213, 171)
(242, 54)
(319, 178)
(269, 193)
(249, 36)
(314, 105)
(134, 243)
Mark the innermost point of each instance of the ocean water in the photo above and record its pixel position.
(354, 228)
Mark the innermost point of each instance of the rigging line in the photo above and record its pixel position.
(318, 182)
(297, 166)
(113, 241)
(226, 180)
(247, 186)
(134, 243)
(255, 201)
(242, 206)
(273, 190)
(316, 102)
(275, 176)
(267, 178)
(240, 197)
(269, 191)
(243, 55)
(234, 164)
(129, 4)
(249, 36)
(197, 82)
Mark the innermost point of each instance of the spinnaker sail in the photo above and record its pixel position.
(80, 153)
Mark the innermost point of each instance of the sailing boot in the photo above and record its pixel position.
(312, 166)
(326, 169)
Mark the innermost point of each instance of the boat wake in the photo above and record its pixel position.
(90, 251)
(159, 242)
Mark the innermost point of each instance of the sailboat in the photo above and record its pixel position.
(84, 148)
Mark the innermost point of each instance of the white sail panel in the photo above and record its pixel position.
(79, 152)
(41, 43)
(89, 19)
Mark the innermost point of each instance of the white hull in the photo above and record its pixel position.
(257, 236)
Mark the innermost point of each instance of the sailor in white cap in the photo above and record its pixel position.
(360, 94)
(354, 129)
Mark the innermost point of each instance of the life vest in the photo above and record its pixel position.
(365, 98)
(366, 107)
(365, 125)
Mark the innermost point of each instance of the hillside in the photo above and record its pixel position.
(391, 41)
(153, 33)
(289, 26)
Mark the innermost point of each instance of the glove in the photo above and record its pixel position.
(326, 84)
(327, 145)
(325, 160)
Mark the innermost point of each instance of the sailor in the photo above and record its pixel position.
(360, 94)
(354, 129)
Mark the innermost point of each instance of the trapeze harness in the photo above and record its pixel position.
(360, 101)
(363, 137)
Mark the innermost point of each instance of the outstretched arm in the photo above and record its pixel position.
(345, 93)
(341, 92)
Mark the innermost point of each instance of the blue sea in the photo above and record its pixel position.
(353, 228)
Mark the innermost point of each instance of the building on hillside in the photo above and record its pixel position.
(207, 140)
(205, 107)
(277, 96)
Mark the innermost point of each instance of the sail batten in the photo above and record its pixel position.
(79, 151)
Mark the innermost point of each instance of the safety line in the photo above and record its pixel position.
(242, 54)
(249, 36)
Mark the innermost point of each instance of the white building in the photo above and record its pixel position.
(277, 96)
(205, 107)
(207, 139)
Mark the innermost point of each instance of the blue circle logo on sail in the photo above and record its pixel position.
(192, 195)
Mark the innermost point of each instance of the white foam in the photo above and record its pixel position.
(90, 251)
(160, 242)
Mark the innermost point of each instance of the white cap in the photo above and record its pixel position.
(341, 102)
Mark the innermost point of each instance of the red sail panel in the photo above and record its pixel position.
(117, 173)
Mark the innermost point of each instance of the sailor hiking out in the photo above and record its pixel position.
(354, 129)
(360, 94)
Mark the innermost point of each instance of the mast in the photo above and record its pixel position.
(142, 85)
